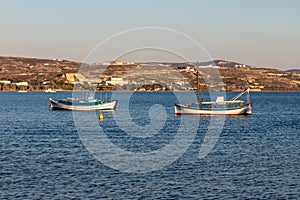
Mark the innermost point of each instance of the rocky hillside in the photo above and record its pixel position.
(36, 72)
(41, 74)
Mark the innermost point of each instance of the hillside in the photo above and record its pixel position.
(35, 71)
(296, 71)
(40, 74)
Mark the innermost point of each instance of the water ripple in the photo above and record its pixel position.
(257, 157)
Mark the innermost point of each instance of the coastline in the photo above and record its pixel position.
(177, 91)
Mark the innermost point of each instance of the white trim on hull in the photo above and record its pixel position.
(183, 109)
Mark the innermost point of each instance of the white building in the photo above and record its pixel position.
(5, 82)
(114, 81)
(22, 84)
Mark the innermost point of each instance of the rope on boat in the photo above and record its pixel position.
(240, 94)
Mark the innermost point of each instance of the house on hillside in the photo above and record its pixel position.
(5, 82)
(22, 84)
(115, 81)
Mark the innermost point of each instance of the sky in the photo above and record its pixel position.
(258, 33)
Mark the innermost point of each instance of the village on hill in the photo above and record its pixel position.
(33, 74)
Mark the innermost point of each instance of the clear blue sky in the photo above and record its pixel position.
(254, 32)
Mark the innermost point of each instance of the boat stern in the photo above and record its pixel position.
(249, 110)
(114, 104)
(177, 110)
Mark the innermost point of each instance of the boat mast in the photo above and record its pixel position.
(198, 85)
(248, 95)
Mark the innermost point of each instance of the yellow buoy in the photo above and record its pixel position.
(101, 117)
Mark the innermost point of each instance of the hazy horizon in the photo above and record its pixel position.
(257, 33)
(145, 61)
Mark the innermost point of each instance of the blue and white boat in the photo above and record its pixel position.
(87, 104)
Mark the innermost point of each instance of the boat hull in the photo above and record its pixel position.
(184, 109)
(106, 106)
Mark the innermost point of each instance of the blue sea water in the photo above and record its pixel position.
(42, 155)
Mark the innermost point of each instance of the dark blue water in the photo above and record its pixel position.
(43, 157)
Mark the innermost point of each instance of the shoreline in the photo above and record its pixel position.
(42, 91)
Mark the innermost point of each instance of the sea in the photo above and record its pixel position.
(143, 151)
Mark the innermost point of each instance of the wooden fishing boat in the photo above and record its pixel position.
(87, 104)
(219, 107)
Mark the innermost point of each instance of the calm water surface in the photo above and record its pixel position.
(43, 157)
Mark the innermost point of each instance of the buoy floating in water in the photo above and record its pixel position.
(101, 117)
